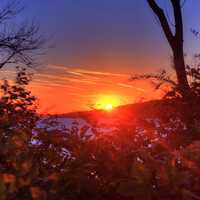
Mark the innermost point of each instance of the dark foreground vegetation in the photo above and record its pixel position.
(140, 161)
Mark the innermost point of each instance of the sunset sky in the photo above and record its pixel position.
(95, 46)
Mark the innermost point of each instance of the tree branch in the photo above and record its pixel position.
(17, 47)
(178, 20)
(10, 10)
(159, 77)
(163, 21)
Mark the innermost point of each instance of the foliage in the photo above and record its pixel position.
(142, 161)
(17, 117)
(18, 46)
(171, 89)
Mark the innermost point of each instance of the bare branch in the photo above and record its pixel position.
(175, 41)
(163, 20)
(160, 77)
(10, 10)
(18, 47)
(178, 20)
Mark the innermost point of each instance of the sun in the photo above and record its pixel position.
(107, 102)
(108, 107)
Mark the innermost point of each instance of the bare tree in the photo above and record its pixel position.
(17, 46)
(175, 40)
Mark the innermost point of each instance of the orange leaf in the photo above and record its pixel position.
(35, 192)
(8, 178)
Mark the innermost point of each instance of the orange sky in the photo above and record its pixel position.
(97, 45)
(62, 89)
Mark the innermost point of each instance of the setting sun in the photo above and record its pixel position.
(107, 103)
(108, 107)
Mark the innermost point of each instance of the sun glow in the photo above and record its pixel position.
(107, 103)
(108, 107)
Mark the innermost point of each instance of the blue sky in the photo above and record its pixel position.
(107, 33)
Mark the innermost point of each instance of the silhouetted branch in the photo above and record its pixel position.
(10, 10)
(175, 41)
(178, 20)
(18, 46)
(160, 77)
(163, 20)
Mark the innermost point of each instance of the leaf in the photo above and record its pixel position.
(8, 178)
(2, 190)
(35, 192)
(126, 188)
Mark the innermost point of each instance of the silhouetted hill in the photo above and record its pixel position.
(153, 108)
(130, 113)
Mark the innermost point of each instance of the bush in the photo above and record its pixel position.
(143, 161)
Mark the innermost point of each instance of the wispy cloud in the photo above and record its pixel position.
(125, 85)
(130, 86)
(81, 72)
(98, 73)
(82, 95)
(87, 81)
(62, 75)
(60, 85)
(81, 79)
(60, 79)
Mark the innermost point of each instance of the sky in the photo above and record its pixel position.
(94, 46)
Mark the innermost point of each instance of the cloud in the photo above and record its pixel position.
(62, 75)
(60, 79)
(98, 73)
(77, 78)
(82, 95)
(125, 85)
(81, 72)
(80, 80)
(130, 86)
(48, 84)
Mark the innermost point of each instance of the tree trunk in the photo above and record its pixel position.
(175, 41)
(179, 65)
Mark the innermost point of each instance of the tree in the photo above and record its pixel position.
(175, 41)
(17, 46)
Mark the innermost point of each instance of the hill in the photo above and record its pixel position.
(131, 112)
(154, 114)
